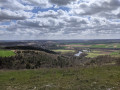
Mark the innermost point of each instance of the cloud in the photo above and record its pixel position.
(61, 2)
(54, 21)
(10, 15)
(38, 3)
(97, 7)
(14, 5)
(86, 19)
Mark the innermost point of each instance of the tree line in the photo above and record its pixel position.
(32, 59)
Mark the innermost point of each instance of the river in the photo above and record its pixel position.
(78, 54)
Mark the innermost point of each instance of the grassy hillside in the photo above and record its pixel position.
(92, 78)
(6, 53)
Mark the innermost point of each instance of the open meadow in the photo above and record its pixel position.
(95, 53)
(92, 78)
(6, 53)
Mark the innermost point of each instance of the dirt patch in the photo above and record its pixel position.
(100, 44)
(115, 46)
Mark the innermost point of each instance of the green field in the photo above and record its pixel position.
(115, 54)
(6, 53)
(115, 45)
(96, 53)
(112, 45)
(64, 51)
(92, 55)
(92, 78)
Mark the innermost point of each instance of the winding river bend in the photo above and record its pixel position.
(79, 53)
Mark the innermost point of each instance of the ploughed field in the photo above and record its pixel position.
(92, 78)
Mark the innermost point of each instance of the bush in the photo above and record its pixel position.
(118, 61)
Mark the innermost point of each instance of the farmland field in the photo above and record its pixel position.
(96, 49)
(95, 53)
(64, 51)
(115, 54)
(6, 53)
(112, 45)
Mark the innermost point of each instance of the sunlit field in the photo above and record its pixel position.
(6, 53)
(112, 45)
(64, 51)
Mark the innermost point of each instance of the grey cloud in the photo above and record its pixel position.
(38, 23)
(14, 5)
(98, 7)
(39, 3)
(50, 21)
(10, 15)
(61, 2)
(118, 15)
(76, 20)
(38, 28)
(68, 24)
(51, 14)
(60, 23)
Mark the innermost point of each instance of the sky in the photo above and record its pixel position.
(59, 19)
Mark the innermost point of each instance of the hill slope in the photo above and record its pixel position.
(92, 78)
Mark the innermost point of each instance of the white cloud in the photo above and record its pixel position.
(14, 5)
(96, 7)
(16, 15)
(86, 19)
(38, 3)
(61, 2)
